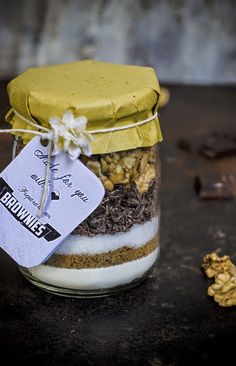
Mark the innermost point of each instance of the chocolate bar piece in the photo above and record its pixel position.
(218, 146)
(216, 186)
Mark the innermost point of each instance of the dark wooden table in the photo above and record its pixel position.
(168, 320)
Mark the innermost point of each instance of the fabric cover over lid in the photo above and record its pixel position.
(109, 95)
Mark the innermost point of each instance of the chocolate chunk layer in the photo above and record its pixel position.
(119, 210)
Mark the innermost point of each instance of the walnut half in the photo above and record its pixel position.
(224, 271)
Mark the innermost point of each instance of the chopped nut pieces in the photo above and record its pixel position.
(144, 180)
(124, 168)
(224, 272)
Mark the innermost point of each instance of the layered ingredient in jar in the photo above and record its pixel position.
(118, 243)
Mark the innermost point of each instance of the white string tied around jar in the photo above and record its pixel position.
(67, 134)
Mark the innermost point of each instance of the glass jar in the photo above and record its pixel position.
(117, 246)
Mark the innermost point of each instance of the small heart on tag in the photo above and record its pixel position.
(55, 196)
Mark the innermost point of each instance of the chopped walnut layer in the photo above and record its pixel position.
(224, 271)
(125, 167)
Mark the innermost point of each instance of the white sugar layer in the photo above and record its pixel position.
(137, 236)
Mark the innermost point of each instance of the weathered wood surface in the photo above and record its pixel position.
(167, 321)
(186, 41)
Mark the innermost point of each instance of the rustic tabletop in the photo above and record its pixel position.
(169, 319)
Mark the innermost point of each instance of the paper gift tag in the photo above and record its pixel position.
(74, 193)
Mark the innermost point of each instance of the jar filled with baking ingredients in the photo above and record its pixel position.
(117, 245)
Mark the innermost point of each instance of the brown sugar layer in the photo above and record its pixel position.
(119, 210)
(118, 256)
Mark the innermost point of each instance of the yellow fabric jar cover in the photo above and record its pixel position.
(109, 95)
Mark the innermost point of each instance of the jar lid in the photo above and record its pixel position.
(109, 95)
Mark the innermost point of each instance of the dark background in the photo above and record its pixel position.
(187, 41)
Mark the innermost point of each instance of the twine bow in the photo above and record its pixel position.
(67, 134)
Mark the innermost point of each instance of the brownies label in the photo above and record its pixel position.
(23, 216)
(74, 192)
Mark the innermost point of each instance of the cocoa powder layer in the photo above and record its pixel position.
(118, 256)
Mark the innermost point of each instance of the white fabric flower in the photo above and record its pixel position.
(70, 135)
